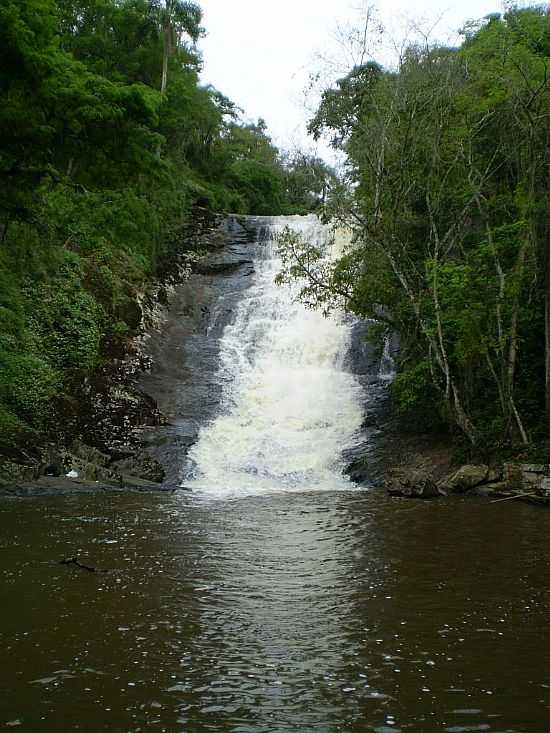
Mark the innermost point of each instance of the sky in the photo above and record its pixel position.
(261, 53)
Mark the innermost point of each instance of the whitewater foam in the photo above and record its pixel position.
(289, 408)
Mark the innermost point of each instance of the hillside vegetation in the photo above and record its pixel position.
(107, 142)
(449, 202)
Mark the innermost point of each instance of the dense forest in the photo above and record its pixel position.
(108, 140)
(448, 199)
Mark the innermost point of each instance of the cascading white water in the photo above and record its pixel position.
(289, 408)
(386, 370)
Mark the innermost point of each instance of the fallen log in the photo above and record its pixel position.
(75, 561)
(515, 496)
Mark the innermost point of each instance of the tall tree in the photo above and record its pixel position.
(448, 186)
(177, 19)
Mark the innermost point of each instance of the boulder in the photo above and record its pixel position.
(533, 476)
(416, 484)
(80, 453)
(89, 463)
(496, 488)
(545, 487)
(142, 465)
(526, 476)
(466, 478)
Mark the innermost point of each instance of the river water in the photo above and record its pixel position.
(277, 596)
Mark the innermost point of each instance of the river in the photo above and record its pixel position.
(277, 596)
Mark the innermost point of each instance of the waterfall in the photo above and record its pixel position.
(386, 370)
(289, 408)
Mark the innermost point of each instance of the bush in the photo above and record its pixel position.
(66, 321)
(27, 386)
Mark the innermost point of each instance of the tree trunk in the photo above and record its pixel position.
(514, 344)
(5, 231)
(547, 348)
(167, 34)
(462, 419)
(452, 394)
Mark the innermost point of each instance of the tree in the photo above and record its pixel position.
(88, 209)
(309, 181)
(448, 183)
(176, 19)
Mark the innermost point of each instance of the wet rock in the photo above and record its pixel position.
(80, 453)
(545, 487)
(370, 421)
(412, 484)
(527, 477)
(497, 488)
(534, 467)
(64, 486)
(89, 463)
(532, 476)
(141, 464)
(11, 470)
(466, 478)
(184, 350)
(221, 265)
(358, 470)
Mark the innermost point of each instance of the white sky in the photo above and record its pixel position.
(260, 53)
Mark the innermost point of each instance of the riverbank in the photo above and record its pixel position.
(47, 486)
(414, 464)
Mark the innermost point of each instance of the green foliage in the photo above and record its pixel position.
(66, 321)
(448, 190)
(107, 141)
(309, 183)
(412, 387)
(27, 386)
(324, 284)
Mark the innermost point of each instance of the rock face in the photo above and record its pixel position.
(358, 469)
(64, 486)
(140, 464)
(412, 484)
(91, 464)
(523, 481)
(529, 479)
(184, 347)
(466, 478)
(224, 265)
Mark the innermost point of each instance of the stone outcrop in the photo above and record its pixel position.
(358, 469)
(415, 484)
(65, 486)
(140, 464)
(466, 478)
(523, 481)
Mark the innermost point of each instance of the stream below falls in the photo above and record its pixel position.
(277, 596)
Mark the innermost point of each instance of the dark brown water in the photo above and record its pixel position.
(325, 612)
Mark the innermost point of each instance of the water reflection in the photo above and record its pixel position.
(322, 611)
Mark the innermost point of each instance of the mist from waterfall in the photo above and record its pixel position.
(289, 408)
